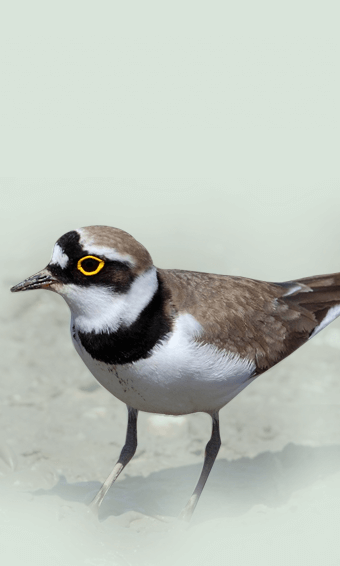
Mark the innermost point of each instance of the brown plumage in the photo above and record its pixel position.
(262, 321)
(123, 243)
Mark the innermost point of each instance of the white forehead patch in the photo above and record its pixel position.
(108, 253)
(59, 257)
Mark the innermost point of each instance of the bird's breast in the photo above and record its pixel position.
(180, 375)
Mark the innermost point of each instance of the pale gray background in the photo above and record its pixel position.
(210, 131)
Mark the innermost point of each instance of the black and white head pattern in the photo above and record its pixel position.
(111, 286)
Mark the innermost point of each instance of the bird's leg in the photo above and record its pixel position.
(211, 452)
(126, 454)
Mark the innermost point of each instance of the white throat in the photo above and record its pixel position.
(98, 309)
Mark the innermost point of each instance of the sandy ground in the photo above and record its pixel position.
(273, 495)
(272, 498)
(210, 132)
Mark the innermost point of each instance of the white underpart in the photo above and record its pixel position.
(59, 257)
(331, 315)
(103, 251)
(181, 376)
(99, 309)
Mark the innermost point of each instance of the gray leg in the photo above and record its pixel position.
(126, 454)
(211, 452)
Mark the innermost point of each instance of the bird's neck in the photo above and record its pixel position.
(99, 309)
(130, 342)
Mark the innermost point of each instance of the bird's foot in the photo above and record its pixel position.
(187, 511)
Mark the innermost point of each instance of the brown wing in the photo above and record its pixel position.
(262, 321)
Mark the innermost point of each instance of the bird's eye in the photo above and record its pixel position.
(90, 265)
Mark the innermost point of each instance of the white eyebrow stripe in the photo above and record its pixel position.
(109, 253)
(59, 257)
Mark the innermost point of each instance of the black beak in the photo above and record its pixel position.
(41, 280)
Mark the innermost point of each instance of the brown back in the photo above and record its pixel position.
(262, 321)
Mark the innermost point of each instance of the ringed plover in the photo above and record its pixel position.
(171, 341)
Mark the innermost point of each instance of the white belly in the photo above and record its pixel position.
(180, 377)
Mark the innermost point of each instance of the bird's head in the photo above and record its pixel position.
(105, 276)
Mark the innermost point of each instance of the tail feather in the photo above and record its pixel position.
(319, 295)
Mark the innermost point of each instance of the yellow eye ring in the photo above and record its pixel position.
(100, 266)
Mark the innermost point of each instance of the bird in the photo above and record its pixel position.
(171, 341)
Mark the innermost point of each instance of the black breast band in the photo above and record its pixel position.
(131, 343)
